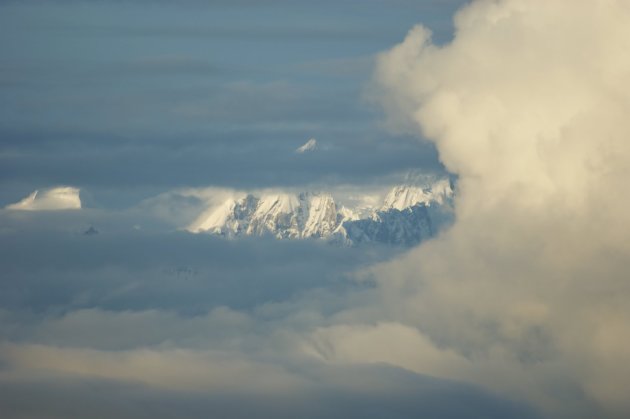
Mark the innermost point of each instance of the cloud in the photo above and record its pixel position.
(528, 106)
(173, 114)
(525, 298)
(119, 322)
(59, 198)
(63, 381)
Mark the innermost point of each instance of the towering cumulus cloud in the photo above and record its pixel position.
(530, 289)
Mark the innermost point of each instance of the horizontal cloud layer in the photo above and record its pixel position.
(119, 323)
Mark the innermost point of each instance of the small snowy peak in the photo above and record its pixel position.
(60, 198)
(310, 145)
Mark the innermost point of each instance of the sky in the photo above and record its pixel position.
(150, 110)
(127, 99)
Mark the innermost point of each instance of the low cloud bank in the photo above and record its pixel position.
(141, 324)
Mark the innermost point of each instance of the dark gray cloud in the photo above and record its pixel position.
(195, 161)
(118, 95)
(132, 322)
(137, 323)
(64, 268)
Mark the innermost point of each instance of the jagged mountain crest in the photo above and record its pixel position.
(402, 219)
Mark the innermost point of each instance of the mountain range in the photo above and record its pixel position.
(407, 215)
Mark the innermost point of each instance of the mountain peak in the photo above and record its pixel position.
(59, 198)
(308, 146)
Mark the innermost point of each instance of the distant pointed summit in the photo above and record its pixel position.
(90, 231)
(310, 145)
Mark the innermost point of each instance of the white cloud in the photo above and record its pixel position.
(528, 105)
(240, 364)
(345, 343)
(60, 198)
(171, 369)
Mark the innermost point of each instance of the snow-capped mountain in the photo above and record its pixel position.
(308, 146)
(59, 198)
(408, 215)
(406, 227)
(283, 215)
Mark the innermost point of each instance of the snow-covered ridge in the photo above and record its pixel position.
(284, 215)
(405, 196)
(405, 216)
